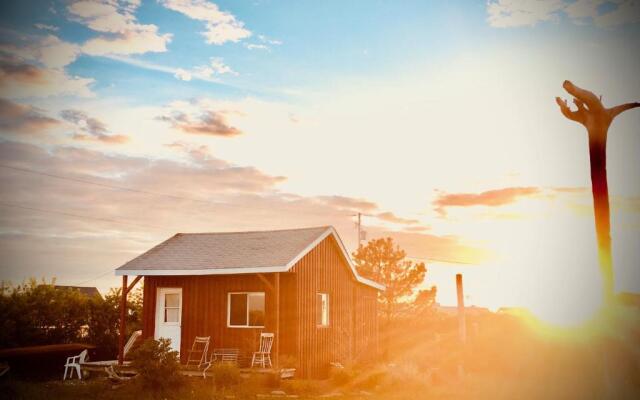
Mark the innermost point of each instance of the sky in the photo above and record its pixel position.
(124, 122)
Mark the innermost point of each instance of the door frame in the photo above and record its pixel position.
(160, 291)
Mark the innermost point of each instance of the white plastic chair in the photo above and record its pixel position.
(262, 357)
(74, 363)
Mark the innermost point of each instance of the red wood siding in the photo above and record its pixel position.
(351, 335)
(324, 270)
(204, 309)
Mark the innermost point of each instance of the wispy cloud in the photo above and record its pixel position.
(221, 26)
(603, 13)
(489, 198)
(21, 118)
(215, 68)
(265, 43)
(89, 128)
(46, 27)
(208, 122)
(391, 217)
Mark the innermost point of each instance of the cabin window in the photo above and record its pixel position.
(322, 309)
(245, 310)
(171, 307)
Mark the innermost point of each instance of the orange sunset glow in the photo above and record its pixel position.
(264, 160)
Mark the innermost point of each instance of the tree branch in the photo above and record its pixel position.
(615, 111)
(591, 100)
(577, 116)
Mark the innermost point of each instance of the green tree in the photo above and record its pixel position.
(383, 261)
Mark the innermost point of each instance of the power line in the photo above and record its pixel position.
(42, 210)
(151, 193)
(441, 260)
(167, 195)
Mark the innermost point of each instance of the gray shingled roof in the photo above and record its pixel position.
(234, 253)
(226, 250)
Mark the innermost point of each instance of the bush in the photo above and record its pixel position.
(303, 387)
(226, 375)
(341, 375)
(157, 365)
(39, 313)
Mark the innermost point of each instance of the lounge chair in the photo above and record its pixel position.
(262, 357)
(99, 365)
(73, 363)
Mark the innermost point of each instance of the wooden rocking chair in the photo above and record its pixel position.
(262, 357)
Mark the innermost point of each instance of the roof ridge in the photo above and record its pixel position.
(256, 231)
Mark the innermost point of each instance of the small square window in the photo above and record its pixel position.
(322, 309)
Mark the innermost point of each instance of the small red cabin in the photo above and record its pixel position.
(299, 284)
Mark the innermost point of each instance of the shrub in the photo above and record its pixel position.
(157, 365)
(341, 375)
(303, 387)
(226, 375)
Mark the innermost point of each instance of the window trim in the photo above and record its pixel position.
(245, 326)
(326, 297)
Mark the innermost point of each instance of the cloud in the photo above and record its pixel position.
(35, 67)
(348, 203)
(48, 51)
(253, 46)
(121, 32)
(46, 27)
(19, 118)
(209, 71)
(221, 26)
(489, 198)
(391, 217)
(204, 193)
(201, 117)
(603, 13)
(88, 128)
(207, 123)
(19, 79)
(265, 43)
(182, 75)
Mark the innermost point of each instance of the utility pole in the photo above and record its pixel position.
(359, 224)
(362, 235)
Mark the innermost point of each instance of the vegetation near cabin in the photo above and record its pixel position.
(39, 313)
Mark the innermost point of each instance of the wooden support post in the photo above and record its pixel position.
(277, 328)
(462, 324)
(123, 320)
(132, 284)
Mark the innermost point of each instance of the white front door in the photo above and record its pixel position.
(169, 315)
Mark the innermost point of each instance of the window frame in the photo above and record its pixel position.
(247, 310)
(327, 323)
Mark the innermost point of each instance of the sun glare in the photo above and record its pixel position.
(569, 312)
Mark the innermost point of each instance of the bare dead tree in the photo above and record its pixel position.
(596, 118)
